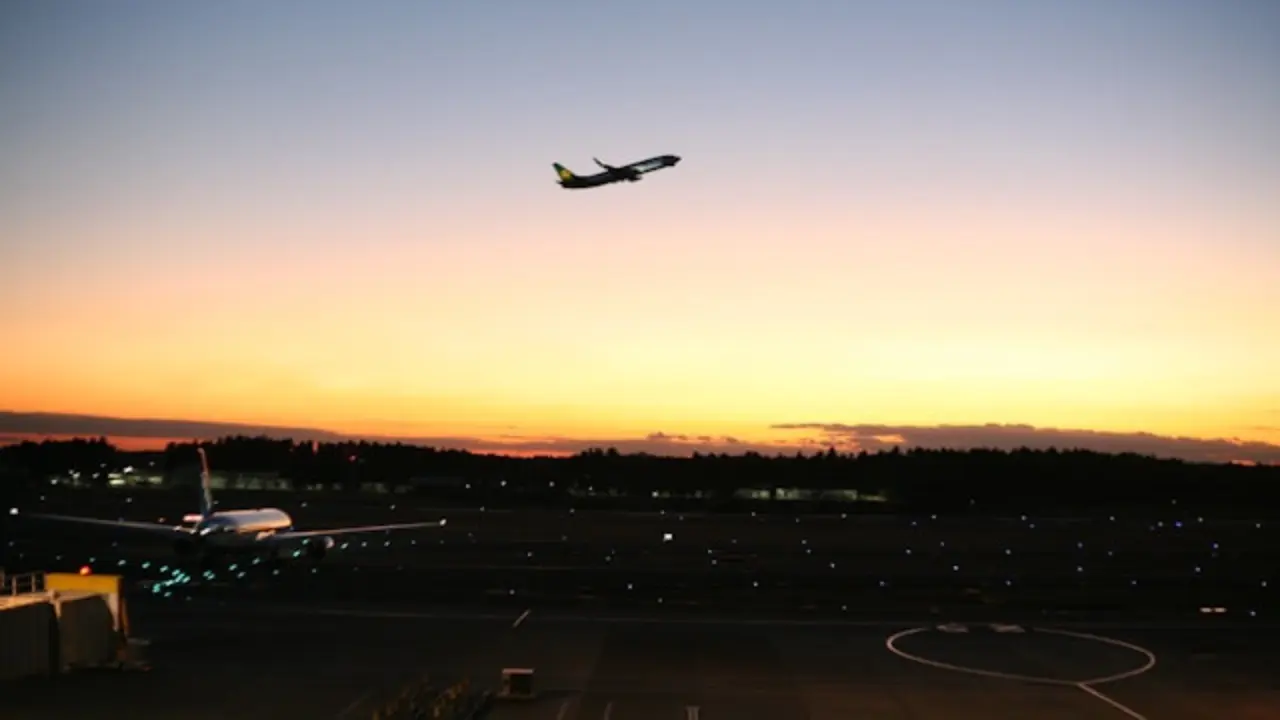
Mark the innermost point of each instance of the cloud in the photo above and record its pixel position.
(15, 427)
(793, 437)
(96, 425)
(1009, 437)
(655, 444)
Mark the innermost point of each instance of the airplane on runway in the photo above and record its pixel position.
(632, 172)
(211, 533)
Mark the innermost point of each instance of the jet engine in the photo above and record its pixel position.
(317, 548)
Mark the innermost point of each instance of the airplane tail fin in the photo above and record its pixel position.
(206, 492)
(564, 172)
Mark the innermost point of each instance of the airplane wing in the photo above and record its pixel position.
(158, 528)
(303, 534)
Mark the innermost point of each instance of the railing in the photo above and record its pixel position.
(21, 583)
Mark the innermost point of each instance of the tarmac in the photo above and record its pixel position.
(262, 660)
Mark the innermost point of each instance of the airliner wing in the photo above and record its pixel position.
(159, 528)
(303, 534)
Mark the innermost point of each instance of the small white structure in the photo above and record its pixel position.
(517, 683)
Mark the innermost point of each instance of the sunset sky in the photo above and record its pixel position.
(343, 216)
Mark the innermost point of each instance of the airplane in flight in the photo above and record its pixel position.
(630, 173)
(211, 533)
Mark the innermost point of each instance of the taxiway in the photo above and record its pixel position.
(263, 661)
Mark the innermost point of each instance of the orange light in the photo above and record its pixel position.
(85, 570)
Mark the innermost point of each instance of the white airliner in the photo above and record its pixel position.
(263, 531)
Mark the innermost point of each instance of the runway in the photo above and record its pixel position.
(210, 663)
(688, 671)
(260, 662)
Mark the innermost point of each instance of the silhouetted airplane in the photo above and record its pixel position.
(611, 174)
(211, 533)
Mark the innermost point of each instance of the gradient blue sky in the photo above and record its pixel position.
(343, 215)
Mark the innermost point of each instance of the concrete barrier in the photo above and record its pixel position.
(86, 630)
(58, 621)
(28, 640)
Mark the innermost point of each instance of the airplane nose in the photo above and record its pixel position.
(675, 159)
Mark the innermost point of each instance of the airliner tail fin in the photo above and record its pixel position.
(206, 492)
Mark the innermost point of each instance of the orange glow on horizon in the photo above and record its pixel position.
(1076, 232)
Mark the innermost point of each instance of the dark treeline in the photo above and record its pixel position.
(918, 480)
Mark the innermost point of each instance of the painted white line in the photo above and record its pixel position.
(520, 619)
(608, 709)
(564, 709)
(691, 712)
(890, 644)
(1127, 711)
(1150, 656)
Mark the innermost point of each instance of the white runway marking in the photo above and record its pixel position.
(1150, 656)
(890, 644)
(520, 619)
(1112, 703)
(1084, 685)
(608, 710)
(564, 710)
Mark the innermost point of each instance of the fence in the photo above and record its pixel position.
(30, 582)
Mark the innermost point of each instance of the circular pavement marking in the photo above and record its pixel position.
(1149, 659)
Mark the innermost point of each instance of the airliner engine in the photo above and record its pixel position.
(317, 547)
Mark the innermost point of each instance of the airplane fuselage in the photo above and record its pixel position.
(234, 530)
(242, 532)
(631, 172)
(244, 522)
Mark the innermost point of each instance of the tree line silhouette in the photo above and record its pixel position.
(977, 481)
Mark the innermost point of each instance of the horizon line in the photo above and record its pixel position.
(155, 433)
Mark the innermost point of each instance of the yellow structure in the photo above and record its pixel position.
(87, 620)
(108, 585)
